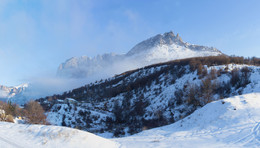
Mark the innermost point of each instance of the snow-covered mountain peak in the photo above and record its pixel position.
(24, 85)
(159, 40)
(160, 48)
(172, 43)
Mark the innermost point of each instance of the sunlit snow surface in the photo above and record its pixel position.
(37, 136)
(232, 122)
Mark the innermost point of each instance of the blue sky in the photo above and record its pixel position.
(36, 36)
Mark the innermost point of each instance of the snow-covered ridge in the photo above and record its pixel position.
(231, 122)
(31, 136)
(160, 48)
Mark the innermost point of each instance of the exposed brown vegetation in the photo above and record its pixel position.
(33, 112)
(9, 118)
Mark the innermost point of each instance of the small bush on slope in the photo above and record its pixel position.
(9, 118)
(35, 113)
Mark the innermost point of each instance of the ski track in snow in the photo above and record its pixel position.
(251, 137)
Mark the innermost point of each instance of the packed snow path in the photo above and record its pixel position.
(232, 122)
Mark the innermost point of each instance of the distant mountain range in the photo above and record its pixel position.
(13, 93)
(160, 48)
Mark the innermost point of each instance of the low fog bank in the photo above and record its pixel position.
(49, 85)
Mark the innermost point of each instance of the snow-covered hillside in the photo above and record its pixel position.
(231, 122)
(150, 97)
(14, 93)
(31, 136)
(160, 48)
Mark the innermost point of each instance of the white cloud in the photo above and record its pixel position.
(131, 15)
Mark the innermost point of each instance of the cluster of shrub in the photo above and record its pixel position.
(128, 114)
(31, 113)
(209, 89)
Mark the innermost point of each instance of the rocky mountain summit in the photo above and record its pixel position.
(160, 48)
(167, 39)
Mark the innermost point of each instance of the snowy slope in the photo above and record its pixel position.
(231, 122)
(31, 136)
(160, 48)
(156, 86)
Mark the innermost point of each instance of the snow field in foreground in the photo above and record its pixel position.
(31, 136)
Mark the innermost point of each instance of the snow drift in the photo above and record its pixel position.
(31, 136)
